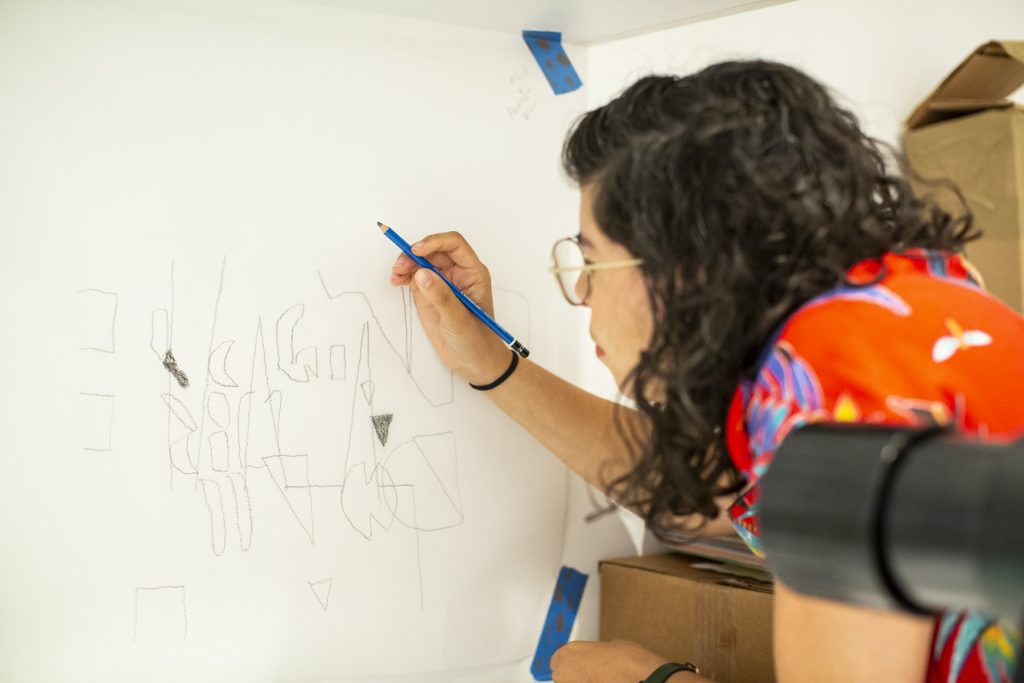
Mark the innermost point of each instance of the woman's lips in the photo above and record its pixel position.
(599, 351)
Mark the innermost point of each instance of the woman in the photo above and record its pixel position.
(750, 265)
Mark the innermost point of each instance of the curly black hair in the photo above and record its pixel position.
(746, 190)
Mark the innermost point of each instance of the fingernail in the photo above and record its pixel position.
(398, 260)
(417, 246)
(423, 278)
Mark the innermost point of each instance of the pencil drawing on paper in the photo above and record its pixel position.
(296, 422)
(161, 614)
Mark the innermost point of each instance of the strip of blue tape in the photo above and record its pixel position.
(546, 47)
(561, 615)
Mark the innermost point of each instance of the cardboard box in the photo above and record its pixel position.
(967, 132)
(720, 622)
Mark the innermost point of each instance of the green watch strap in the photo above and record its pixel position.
(662, 673)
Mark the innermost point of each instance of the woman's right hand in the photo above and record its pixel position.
(464, 344)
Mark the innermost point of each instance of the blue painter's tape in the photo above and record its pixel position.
(546, 47)
(558, 624)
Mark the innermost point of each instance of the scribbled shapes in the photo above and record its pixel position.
(217, 365)
(97, 320)
(299, 365)
(161, 614)
(322, 590)
(96, 415)
(218, 410)
(215, 506)
(526, 101)
(424, 478)
(219, 451)
(243, 508)
(180, 426)
(368, 387)
(160, 333)
(381, 426)
(298, 497)
(367, 496)
(171, 365)
(338, 367)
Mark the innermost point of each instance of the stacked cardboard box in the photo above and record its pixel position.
(694, 609)
(967, 131)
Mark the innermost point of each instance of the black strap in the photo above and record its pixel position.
(504, 376)
(663, 672)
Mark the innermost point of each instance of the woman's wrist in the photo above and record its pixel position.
(490, 368)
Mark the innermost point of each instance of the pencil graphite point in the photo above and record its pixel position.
(383, 228)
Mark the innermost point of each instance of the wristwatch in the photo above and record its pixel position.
(662, 673)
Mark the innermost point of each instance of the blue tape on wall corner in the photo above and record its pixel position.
(546, 47)
(558, 624)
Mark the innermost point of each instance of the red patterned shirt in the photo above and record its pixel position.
(909, 339)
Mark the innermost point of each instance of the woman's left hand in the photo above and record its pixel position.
(612, 662)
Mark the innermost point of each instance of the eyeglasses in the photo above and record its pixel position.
(573, 271)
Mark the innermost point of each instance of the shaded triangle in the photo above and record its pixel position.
(367, 387)
(322, 591)
(381, 425)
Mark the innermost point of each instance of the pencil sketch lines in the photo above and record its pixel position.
(160, 332)
(161, 614)
(215, 507)
(179, 430)
(444, 395)
(290, 361)
(299, 499)
(98, 420)
(240, 490)
(424, 475)
(338, 367)
(98, 311)
(171, 365)
(322, 590)
(381, 425)
(217, 366)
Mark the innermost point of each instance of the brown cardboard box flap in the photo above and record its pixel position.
(982, 81)
(688, 567)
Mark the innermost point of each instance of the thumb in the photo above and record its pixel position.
(434, 290)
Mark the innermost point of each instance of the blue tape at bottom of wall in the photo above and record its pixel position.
(558, 624)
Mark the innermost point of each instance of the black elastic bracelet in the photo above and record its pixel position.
(663, 672)
(504, 376)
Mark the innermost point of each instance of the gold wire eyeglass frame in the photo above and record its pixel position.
(584, 270)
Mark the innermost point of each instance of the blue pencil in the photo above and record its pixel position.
(509, 340)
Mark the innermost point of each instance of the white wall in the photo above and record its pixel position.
(881, 57)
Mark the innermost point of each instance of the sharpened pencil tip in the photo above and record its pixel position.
(383, 228)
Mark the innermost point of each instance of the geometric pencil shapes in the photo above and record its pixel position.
(96, 419)
(160, 332)
(424, 501)
(296, 471)
(298, 498)
(219, 451)
(439, 451)
(338, 362)
(381, 425)
(367, 497)
(298, 364)
(243, 509)
(215, 507)
(367, 388)
(217, 365)
(161, 614)
(322, 591)
(218, 410)
(97, 318)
